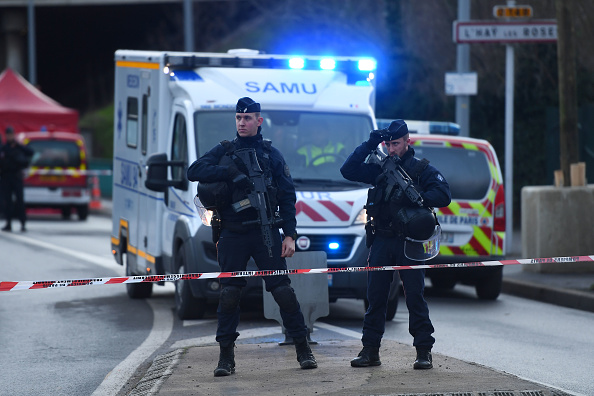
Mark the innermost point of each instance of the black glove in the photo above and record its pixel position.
(376, 137)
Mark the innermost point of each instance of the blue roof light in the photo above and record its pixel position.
(296, 63)
(333, 245)
(367, 64)
(327, 64)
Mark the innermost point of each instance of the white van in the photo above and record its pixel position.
(171, 108)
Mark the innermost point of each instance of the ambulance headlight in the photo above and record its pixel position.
(361, 217)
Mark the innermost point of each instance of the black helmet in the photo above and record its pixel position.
(214, 195)
(417, 223)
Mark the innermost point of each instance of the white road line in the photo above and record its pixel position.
(339, 330)
(101, 261)
(162, 327)
(248, 333)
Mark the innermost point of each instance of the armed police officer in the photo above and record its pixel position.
(247, 233)
(389, 209)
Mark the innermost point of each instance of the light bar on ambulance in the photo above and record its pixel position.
(358, 70)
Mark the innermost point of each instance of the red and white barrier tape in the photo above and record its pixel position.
(74, 172)
(30, 285)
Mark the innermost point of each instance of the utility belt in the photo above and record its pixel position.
(240, 227)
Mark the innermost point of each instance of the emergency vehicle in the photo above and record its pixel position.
(172, 107)
(473, 225)
(56, 177)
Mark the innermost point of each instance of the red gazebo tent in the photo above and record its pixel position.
(26, 108)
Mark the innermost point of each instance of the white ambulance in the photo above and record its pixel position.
(172, 107)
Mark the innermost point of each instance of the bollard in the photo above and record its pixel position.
(311, 291)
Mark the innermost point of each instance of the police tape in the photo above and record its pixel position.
(32, 285)
(69, 172)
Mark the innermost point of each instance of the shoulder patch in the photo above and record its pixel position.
(287, 171)
(440, 177)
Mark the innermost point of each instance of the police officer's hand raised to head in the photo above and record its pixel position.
(239, 179)
(288, 248)
(376, 137)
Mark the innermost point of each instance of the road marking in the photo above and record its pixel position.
(101, 261)
(160, 332)
(198, 322)
(339, 330)
(248, 333)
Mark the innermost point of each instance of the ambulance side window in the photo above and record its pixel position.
(132, 122)
(179, 149)
(144, 125)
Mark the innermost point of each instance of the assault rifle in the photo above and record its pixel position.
(397, 176)
(257, 197)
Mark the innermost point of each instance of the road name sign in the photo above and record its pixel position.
(521, 11)
(505, 31)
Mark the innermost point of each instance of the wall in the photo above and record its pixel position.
(558, 222)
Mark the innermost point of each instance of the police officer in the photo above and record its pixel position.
(14, 158)
(238, 242)
(388, 244)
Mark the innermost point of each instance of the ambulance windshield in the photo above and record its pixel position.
(314, 145)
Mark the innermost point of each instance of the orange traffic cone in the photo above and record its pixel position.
(95, 194)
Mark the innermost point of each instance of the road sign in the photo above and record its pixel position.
(522, 11)
(505, 32)
(461, 83)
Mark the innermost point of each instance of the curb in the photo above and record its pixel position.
(566, 298)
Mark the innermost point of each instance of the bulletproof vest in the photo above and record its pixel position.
(391, 208)
(221, 194)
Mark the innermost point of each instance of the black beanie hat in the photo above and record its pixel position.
(247, 105)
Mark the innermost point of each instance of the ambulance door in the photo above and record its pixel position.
(179, 200)
(148, 200)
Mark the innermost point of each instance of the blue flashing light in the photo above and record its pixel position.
(333, 245)
(296, 63)
(327, 64)
(367, 64)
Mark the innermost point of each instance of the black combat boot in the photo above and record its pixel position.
(424, 360)
(304, 355)
(226, 364)
(369, 356)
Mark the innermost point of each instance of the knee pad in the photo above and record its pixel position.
(229, 299)
(286, 299)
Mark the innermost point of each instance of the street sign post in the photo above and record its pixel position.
(544, 31)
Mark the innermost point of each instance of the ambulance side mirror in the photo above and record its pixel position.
(156, 174)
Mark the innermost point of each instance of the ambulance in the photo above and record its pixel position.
(473, 225)
(172, 107)
(57, 175)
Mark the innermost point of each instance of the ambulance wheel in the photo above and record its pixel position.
(186, 305)
(82, 212)
(136, 290)
(489, 288)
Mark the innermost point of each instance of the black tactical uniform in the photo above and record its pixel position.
(241, 238)
(14, 158)
(388, 246)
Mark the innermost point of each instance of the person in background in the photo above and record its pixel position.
(14, 158)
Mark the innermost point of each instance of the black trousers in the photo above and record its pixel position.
(234, 251)
(12, 186)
